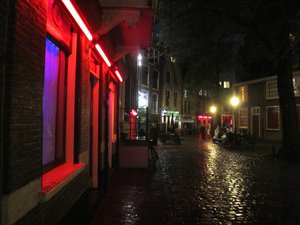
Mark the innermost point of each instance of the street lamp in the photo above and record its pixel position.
(213, 109)
(234, 101)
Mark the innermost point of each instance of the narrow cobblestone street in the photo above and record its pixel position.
(201, 183)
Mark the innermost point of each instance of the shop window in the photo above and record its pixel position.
(53, 106)
(272, 91)
(145, 76)
(243, 118)
(155, 80)
(154, 103)
(273, 118)
(167, 98)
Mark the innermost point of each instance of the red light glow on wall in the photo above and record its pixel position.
(101, 52)
(78, 19)
(119, 75)
(201, 117)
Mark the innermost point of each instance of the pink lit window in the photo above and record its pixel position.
(53, 106)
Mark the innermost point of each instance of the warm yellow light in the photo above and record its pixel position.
(213, 109)
(234, 101)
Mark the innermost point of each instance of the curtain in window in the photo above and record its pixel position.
(273, 118)
(50, 101)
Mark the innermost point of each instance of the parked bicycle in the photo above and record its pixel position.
(228, 138)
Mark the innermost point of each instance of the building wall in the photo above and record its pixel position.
(257, 98)
(23, 93)
(23, 201)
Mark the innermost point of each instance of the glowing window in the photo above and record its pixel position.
(226, 84)
(143, 99)
(243, 118)
(243, 90)
(53, 106)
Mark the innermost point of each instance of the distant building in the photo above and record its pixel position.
(171, 92)
(259, 110)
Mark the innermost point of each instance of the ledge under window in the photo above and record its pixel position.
(54, 180)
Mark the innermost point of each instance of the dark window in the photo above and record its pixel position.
(145, 76)
(272, 122)
(175, 79)
(175, 99)
(53, 106)
(168, 76)
(154, 103)
(167, 98)
(155, 80)
(186, 107)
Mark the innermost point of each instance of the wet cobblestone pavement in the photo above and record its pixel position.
(201, 183)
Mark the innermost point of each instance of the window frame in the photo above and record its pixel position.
(156, 104)
(243, 92)
(157, 82)
(175, 95)
(168, 76)
(244, 125)
(270, 92)
(167, 98)
(142, 75)
(60, 118)
(226, 84)
(274, 129)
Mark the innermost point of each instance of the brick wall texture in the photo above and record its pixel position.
(51, 212)
(23, 92)
(23, 110)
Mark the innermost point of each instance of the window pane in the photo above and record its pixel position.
(167, 98)
(143, 99)
(243, 118)
(154, 103)
(50, 101)
(272, 89)
(155, 79)
(168, 76)
(273, 117)
(144, 76)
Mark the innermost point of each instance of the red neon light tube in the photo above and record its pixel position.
(101, 52)
(119, 75)
(78, 19)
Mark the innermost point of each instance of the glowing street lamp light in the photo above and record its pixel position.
(213, 109)
(139, 60)
(234, 101)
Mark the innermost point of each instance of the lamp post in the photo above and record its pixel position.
(234, 102)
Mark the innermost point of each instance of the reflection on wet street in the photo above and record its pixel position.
(201, 183)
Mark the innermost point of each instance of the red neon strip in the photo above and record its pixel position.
(78, 19)
(103, 55)
(119, 75)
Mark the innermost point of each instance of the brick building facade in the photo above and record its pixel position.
(59, 105)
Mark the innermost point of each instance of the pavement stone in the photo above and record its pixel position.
(199, 182)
